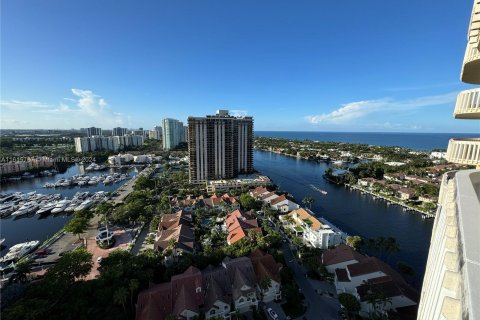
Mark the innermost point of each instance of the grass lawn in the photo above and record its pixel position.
(294, 311)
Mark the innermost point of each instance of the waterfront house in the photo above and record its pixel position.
(360, 275)
(258, 192)
(405, 193)
(268, 197)
(282, 204)
(340, 257)
(314, 232)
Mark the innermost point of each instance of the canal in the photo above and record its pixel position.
(353, 212)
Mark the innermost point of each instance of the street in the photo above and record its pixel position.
(318, 307)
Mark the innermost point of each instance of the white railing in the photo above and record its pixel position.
(464, 151)
(468, 104)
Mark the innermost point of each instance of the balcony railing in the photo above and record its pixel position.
(464, 151)
(468, 104)
(471, 62)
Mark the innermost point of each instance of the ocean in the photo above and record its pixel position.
(415, 141)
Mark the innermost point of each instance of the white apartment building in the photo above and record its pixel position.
(172, 133)
(316, 233)
(115, 143)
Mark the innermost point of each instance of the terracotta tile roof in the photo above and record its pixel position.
(265, 265)
(304, 215)
(389, 286)
(277, 200)
(267, 195)
(198, 291)
(184, 237)
(371, 265)
(342, 275)
(239, 224)
(258, 191)
(148, 306)
(342, 253)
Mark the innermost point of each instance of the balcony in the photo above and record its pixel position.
(464, 151)
(471, 62)
(468, 105)
(451, 278)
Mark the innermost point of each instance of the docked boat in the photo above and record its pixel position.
(19, 250)
(60, 206)
(108, 180)
(85, 205)
(47, 207)
(29, 207)
(7, 209)
(74, 204)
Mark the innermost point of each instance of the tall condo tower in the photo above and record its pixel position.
(452, 277)
(220, 146)
(173, 133)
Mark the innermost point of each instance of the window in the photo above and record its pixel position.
(241, 300)
(213, 311)
(198, 290)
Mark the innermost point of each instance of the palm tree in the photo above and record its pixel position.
(120, 297)
(308, 201)
(133, 286)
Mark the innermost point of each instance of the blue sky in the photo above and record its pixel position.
(354, 65)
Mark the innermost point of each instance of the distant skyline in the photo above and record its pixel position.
(375, 66)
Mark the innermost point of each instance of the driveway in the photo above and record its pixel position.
(318, 307)
(277, 308)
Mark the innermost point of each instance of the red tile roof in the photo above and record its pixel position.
(239, 224)
(342, 253)
(279, 199)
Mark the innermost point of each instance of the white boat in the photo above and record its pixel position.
(19, 250)
(2, 241)
(108, 180)
(47, 207)
(27, 208)
(60, 206)
(85, 205)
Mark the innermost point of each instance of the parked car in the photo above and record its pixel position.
(99, 260)
(272, 314)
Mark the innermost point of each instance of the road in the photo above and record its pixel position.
(318, 307)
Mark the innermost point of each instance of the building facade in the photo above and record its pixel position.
(220, 146)
(92, 131)
(119, 131)
(452, 276)
(115, 143)
(173, 133)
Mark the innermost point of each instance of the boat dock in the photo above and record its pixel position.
(406, 207)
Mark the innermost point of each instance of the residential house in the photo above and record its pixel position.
(238, 225)
(175, 229)
(283, 204)
(406, 193)
(340, 257)
(360, 275)
(314, 232)
(268, 197)
(266, 267)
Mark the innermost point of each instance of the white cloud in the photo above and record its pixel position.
(23, 105)
(84, 110)
(238, 113)
(358, 109)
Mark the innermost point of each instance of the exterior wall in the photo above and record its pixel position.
(220, 147)
(395, 302)
(272, 293)
(351, 286)
(342, 265)
(290, 205)
(244, 304)
(189, 315)
(221, 309)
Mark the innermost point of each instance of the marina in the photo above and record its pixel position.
(47, 220)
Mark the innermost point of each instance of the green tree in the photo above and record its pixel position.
(247, 202)
(308, 201)
(77, 226)
(72, 265)
(120, 298)
(23, 269)
(354, 242)
(349, 302)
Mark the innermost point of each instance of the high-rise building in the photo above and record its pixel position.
(115, 143)
(156, 133)
(220, 146)
(119, 131)
(452, 277)
(173, 133)
(92, 131)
